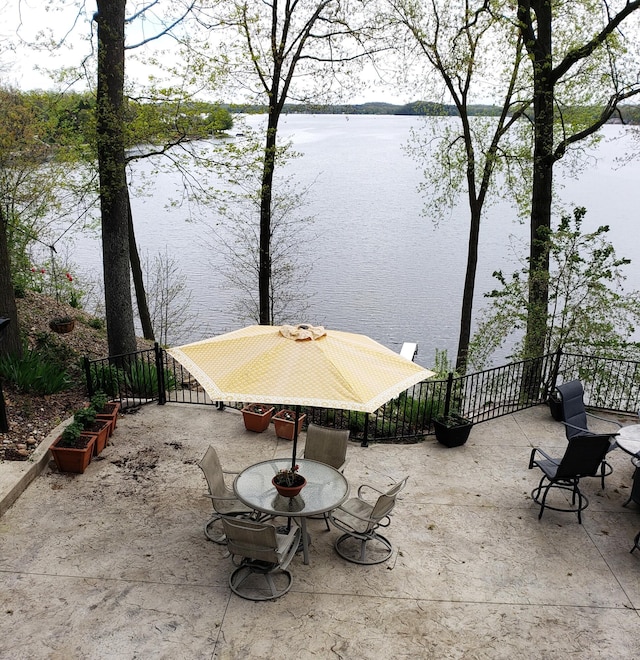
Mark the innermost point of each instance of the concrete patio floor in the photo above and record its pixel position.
(114, 563)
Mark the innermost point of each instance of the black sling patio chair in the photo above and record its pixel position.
(574, 416)
(582, 458)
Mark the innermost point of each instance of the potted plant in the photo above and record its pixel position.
(87, 419)
(62, 324)
(106, 410)
(452, 430)
(257, 416)
(283, 421)
(555, 406)
(71, 450)
(288, 482)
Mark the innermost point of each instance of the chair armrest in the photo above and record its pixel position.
(366, 519)
(230, 472)
(229, 498)
(578, 428)
(532, 460)
(604, 419)
(377, 490)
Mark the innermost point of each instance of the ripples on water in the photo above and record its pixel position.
(379, 266)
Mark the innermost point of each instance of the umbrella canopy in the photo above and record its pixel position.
(299, 366)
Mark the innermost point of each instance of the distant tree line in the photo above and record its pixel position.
(627, 114)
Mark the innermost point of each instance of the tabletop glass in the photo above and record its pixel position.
(628, 439)
(326, 488)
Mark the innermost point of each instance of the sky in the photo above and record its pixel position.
(61, 22)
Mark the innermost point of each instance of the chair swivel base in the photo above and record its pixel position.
(539, 496)
(374, 549)
(257, 580)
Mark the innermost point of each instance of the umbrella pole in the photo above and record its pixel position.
(295, 438)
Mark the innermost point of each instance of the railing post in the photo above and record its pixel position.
(447, 396)
(162, 393)
(87, 374)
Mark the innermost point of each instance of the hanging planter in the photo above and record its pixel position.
(62, 324)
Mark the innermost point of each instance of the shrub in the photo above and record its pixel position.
(142, 379)
(34, 372)
(106, 378)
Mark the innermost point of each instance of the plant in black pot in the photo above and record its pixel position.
(555, 406)
(452, 430)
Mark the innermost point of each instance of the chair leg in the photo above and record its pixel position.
(636, 542)
(220, 539)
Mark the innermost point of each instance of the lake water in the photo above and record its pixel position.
(379, 266)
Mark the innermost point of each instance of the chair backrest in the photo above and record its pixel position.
(387, 501)
(254, 540)
(583, 456)
(210, 465)
(328, 446)
(573, 410)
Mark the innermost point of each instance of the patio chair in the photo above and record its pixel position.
(634, 495)
(582, 458)
(222, 497)
(636, 542)
(265, 555)
(360, 519)
(574, 417)
(328, 446)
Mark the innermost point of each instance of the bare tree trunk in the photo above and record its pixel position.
(10, 339)
(266, 194)
(113, 184)
(543, 159)
(138, 280)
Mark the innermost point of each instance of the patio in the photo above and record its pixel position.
(114, 563)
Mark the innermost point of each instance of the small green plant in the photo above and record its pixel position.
(453, 419)
(70, 437)
(98, 401)
(34, 372)
(96, 323)
(85, 417)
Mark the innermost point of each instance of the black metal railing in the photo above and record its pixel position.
(153, 375)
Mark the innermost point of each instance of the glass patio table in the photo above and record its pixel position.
(326, 489)
(628, 439)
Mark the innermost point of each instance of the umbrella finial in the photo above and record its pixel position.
(302, 332)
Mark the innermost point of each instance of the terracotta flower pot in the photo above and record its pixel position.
(72, 459)
(257, 417)
(100, 430)
(283, 422)
(290, 491)
(110, 413)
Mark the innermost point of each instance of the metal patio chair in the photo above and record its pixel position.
(225, 503)
(265, 555)
(582, 458)
(574, 416)
(360, 521)
(328, 446)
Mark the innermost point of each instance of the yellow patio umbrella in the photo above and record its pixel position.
(299, 366)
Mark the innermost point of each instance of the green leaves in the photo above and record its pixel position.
(588, 308)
